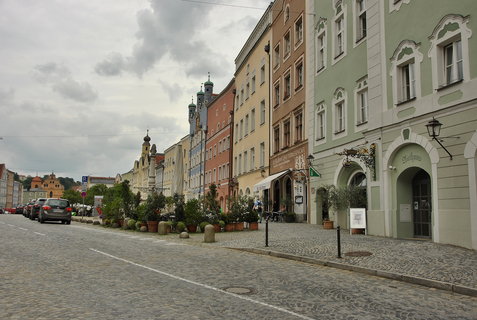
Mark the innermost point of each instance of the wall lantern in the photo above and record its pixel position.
(310, 159)
(434, 130)
(368, 156)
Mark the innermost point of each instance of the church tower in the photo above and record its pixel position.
(146, 145)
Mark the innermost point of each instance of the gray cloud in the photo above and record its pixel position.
(168, 27)
(61, 81)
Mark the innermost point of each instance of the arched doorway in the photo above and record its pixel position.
(358, 182)
(322, 205)
(421, 204)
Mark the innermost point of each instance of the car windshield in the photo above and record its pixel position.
(58, 203)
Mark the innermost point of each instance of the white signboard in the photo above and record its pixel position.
(357, 218)
(405, 212)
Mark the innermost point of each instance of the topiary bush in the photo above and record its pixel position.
(180, 226)
(202, 226)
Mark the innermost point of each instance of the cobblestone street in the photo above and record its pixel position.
(53, 271)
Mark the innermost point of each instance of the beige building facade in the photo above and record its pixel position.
(251, 117)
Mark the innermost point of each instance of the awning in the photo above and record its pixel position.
(265, 183)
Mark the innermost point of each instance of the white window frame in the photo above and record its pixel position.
(406, 55)
(276, 94)
(297, 86)
(252, 159)
(287, 45)
(299, 35)
(359, 14)
(339, 33)
(263, 112)
(262, 154)
(321, 52)
(252, 120)
(340, 98)
(320, 122)
(287, 74)
(361, 101)
(276, 56)
(441, 38)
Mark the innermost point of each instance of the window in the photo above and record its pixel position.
(286, 134)
(287, 45)
(453, 62)
(407, 82)
(253, 84)
(276, 139)
(339, 113)
(247, 91)
(240, 164)
(360, 14)
(287, 13)
(241, 129)
(362, 106)
(339, 31)
(339, 25)
(246, 125)
(276, 56)
(241, 96)
(252, 159)
(449, 51)
(299, 127)
(262, 74)
(276, 92)
(321, 51)
(245, 161)
(320, 121)
(298, 31)
(287, 87)
(299, 75)
(214, 177)
(406, 62)
(262, 154)
(262, 112)
(235, 166)
(237, 103)
(252, 120)
(236, 132)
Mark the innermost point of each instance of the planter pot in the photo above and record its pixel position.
(253, 226)
(217, 227)
(230, 227)
(121, 222)
(327, 224)
(152, 226)
(239, 226)
(192, 228)
(357, 231)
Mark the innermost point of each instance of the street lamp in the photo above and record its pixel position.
(434, 130)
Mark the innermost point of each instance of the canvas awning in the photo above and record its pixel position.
(265, 183)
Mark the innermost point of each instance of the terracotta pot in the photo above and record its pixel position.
(357, 231)
(192, 228)
(217, 227)
(253, 226)
(239, 226)
(152, 226)
(230, 227)
(121, 222)
(328, 224)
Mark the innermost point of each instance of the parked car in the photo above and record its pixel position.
(19, 209)
(35, 209)
(1, 211)
(55, 209)
(27, 208)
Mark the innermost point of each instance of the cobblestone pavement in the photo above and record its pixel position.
(53, 271)
(416, 258)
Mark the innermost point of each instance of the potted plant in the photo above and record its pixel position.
(180, 227)
(290, 216)
(154, 204)
(193, 214)
(228, 224)
(251, 217)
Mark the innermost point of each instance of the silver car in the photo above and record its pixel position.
(55, 209)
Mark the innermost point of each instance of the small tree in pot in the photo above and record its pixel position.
(154, 204)
(193, 214)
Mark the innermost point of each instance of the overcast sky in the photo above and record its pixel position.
(81, 81)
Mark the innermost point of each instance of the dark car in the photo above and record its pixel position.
(35, 209)
(55, 209)
(27, 208)
(1, 211)
(19, 210)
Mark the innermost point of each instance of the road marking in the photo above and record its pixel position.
(11, 225)
(159, 241)
(22, 229)
(174, 244)
(40, 234)
(204, 285)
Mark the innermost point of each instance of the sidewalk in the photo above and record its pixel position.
(426, 263)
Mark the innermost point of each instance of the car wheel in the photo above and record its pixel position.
(41, 220)
(68, 222)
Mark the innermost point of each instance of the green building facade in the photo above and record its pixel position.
(381, 70)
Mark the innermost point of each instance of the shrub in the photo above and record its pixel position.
(138, 225)
(202, 226)
(180, 226)
(132, 224)
(193, 213)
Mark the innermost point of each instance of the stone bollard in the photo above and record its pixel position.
(184, 235)
(209, 233)
(162, 228)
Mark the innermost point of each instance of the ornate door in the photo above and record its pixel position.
(421, 202)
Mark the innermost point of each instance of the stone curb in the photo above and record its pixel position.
(379, 273)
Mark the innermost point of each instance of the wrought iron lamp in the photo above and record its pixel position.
(362, 153)
(434, 130)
